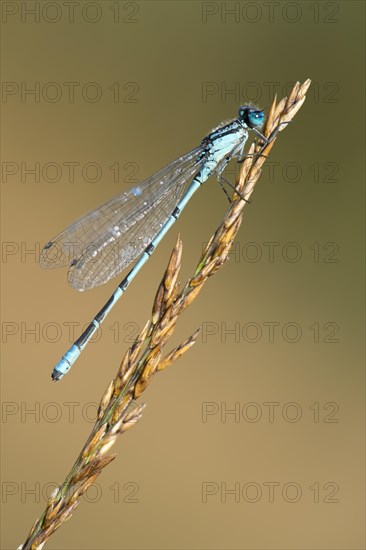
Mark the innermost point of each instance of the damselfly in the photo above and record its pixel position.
(134, 222)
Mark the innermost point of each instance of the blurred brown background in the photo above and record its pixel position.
(127, 87)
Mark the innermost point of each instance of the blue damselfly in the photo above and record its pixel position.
(133, 223)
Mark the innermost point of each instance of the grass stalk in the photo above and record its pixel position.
(117, 409)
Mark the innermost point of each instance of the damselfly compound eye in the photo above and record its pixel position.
(250, 116)
(255, 118)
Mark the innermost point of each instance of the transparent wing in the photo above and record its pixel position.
(102, 243)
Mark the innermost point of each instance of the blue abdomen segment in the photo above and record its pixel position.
(65, 364)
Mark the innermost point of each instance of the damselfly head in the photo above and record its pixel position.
(250, 116)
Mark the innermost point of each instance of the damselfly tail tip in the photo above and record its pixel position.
(65, 363)
(55, 376)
